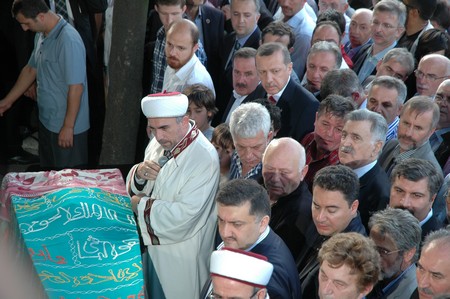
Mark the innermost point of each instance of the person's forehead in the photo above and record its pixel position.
(383, 93)
(421, 185)
(432, 64)
(330, 116)
(362, 17)
(270, 37)
(243, 5)
(237, 212)
(415, 116)
(169, 8)
(275, 57)
(385, 15)
(328, 197)
(357, 126)
(444, 89)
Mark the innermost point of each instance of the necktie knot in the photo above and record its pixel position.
(272, 100)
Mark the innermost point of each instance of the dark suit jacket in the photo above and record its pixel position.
(443, 151)
(360, 57)
(430, 226)
(284, 282)
(289, 211)
(225, 88)
(374, 192)
(298, 111)
(212, 25)
(256, 94)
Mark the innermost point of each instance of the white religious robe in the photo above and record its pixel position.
(179, 226)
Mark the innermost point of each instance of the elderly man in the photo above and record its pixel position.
(334, 210)
(359, 33)
(418, 120)
(321, 146)
(237, 273)
(250, 128)
(362, 140)
(323, 57)
(245, 80)
(297, 105)
(183, 66)
(432, 70)
(440, 140)
(388, 24)
(414, 186)
(419, 13)
(243, 213)
(349, 266)
(293, 12)
(397, 236)
(283, 172)
(433, 267)
(386, 97)
(173, 193)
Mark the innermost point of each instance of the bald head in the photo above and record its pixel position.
(283, 167)
(359, 30)
(432, 70)
(184, 26)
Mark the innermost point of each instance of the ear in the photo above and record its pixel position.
(367, 290)
(354, 206)
(184, 8)
(261, 294)
(291, 50)
(378, 64)
(195, 48)
(433, 197)
(399, 109)
(378, 146)
(264, 223)
(304, 171)
(409, 255)
(269, 137)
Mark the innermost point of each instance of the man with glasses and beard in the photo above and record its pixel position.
(397, 235)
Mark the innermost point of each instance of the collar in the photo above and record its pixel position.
(243, 40)
(398, 278)
(56, 30)
(365, 169)
(380, 54)
(190, 136)
(183, 72)
(278, 95)
(239, 97)
(430, 214)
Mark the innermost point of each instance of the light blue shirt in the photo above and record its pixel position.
(371, 61)
(60, 60)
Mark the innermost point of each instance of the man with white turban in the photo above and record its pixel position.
(173, 192)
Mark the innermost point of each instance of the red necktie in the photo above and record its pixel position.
(272, 100)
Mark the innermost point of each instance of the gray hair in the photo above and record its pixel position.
(394, 7)
(324, 46)
(415, 170)
(248, 120)
(441, 237)
(402, 56)
(392, 83)
(401, 226)
(378, 125)
(245, 53)
(268, 49)
(343, 82)
(422, 104)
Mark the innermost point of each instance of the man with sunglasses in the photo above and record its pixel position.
(396, 234)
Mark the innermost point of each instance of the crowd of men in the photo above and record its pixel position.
(339, 146)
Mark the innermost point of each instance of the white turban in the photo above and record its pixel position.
(171, 104)
(247, 267)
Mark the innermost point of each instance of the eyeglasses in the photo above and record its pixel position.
(384, 252)
(385, 26)
(440, 99)
(215, 296)
(430, 77)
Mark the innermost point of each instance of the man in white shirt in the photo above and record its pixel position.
(183, 66)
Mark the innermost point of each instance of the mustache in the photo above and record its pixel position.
(425, 291)
(241, 85)
(346, 149)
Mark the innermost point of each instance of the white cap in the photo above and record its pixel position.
(172, 104)
(243, 266)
